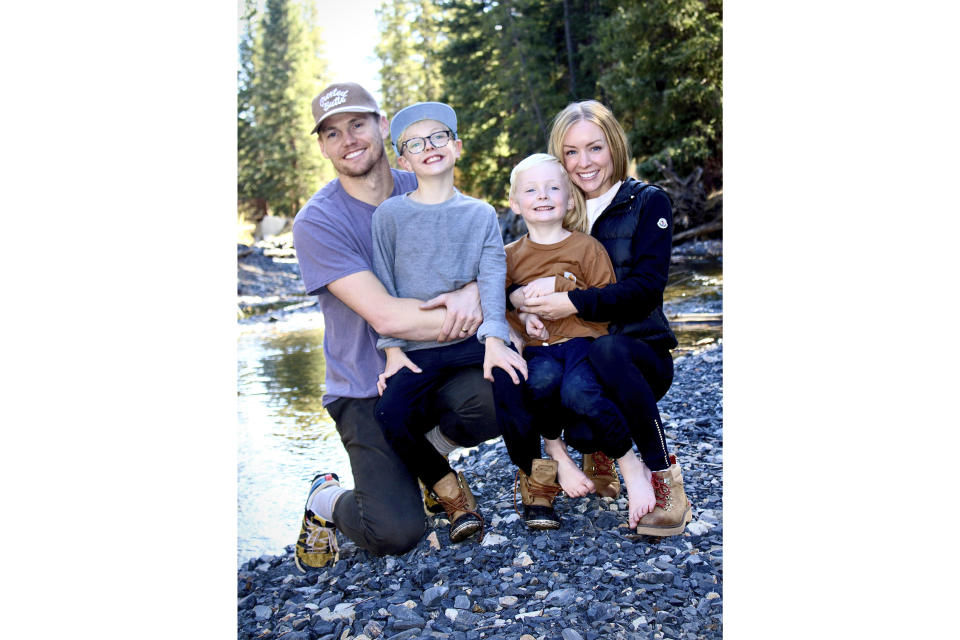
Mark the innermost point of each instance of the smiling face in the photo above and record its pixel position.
(540, 195)
(353, 142)
(431, 161)
(587, 158)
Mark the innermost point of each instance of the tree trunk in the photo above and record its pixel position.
(566, 30)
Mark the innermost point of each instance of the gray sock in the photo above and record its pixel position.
(324, 500)
(440, 442)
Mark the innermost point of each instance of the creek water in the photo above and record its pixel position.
(285, 436)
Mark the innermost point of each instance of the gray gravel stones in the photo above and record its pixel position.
(592, 579)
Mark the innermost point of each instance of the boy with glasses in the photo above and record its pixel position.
(426, 241)
(383, 512)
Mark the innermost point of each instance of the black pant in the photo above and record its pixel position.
(636, 376)
(384, 512)
(561, 375)
(407, 391)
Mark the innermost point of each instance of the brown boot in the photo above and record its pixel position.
(461, 507)
(599, 468)
(673, 510)
(537, 492)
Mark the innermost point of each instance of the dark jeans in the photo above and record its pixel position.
(561, 374)
(636, 376)
(384, 512)
(407, 392)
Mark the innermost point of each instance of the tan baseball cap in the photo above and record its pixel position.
(341, 97)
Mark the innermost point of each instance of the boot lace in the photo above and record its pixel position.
(661, 490)
(602, 465)
(459, 503)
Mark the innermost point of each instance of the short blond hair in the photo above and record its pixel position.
(595, 112)
(576, 218)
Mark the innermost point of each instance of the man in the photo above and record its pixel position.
(332, 235)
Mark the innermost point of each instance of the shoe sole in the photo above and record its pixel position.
(306, 568)
(464, 531)
(543, 524)
(652, 530)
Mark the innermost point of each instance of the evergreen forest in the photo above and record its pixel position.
(507, 67)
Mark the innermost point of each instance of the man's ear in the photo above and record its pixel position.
(384, 128)
(322, 150)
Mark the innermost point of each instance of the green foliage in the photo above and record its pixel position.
(410, 31)
(506, 72)
(509, 66)
(662, 63)
(281, 67)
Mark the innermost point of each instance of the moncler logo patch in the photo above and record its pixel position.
(662, 223)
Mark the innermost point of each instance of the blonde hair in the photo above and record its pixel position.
(576, 218)
(592, 111)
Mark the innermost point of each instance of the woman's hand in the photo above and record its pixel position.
(553, 306)
(540, 287)
(396, 360)
(464, 314)
(500, 355)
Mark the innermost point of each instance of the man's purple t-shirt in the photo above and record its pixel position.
(332, 237)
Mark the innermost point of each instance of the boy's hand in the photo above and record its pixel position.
(464, 314)
(396, 360)
(534, 327)
(539, 287)
(517, 299)
(500, 355)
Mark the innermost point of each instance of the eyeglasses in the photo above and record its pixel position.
(437, 139)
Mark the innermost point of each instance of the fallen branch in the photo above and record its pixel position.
(710, 227)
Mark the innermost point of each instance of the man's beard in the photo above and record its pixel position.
(376, 152)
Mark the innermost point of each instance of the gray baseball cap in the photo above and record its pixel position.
(341, 97)
(442, 113)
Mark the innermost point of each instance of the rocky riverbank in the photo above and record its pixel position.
(591, 579)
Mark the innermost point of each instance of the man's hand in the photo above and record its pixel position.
(464, 314)
(396, 360)
(539, 287)
(500, 355)
(553, 306)
(534, 326)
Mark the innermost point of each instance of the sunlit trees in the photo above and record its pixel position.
(281, 66)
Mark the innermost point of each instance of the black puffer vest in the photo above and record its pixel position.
(615, 229)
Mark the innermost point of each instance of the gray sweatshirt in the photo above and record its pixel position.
(423, 250)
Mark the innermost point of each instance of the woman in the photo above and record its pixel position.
(634, 222)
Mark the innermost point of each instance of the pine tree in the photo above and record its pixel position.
(281, 68)
(662, 64)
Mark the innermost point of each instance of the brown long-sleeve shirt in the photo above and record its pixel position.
(579, 255)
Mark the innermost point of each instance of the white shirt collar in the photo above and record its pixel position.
(596, 206)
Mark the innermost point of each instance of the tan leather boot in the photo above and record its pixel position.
(599, 468)
(673, 510)
(461, 507)
(537, 492)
